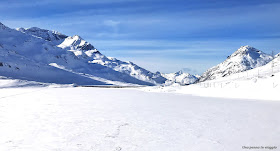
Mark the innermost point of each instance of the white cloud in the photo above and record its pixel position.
(111, 23)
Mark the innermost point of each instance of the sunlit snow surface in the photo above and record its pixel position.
(103, 119)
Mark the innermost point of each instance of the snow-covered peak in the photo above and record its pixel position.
(180, 77)
(245, 58)
(36, 54)
(245, 48)
(43, 33)
(249, 51)
(86, 51)
(250, 56)
(76, 42)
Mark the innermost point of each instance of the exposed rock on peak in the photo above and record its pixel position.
(2, 26)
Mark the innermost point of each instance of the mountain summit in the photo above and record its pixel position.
(245, 58)
(2, 26)
(48, 56)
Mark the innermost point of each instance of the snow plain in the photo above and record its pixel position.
(129, 119)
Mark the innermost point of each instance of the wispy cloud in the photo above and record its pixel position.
(111, 23)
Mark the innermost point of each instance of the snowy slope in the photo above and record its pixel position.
(15, 83)
(48, 56)
(26, 57)
(44, 34)
(180, 77)
(258, 83)
(83, 49)
(130, 68)
(245, 58)
(89, 53)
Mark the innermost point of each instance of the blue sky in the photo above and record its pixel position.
(160, 35)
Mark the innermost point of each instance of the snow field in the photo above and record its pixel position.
(98, 119)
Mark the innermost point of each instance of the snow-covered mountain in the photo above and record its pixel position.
(44, 34)
(179, 77)
(84, 49)
(259, 83)
(245, 58)
(49, 56)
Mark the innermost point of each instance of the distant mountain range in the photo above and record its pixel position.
(48, 56)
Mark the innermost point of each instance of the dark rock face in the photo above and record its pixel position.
(2, 26)
(86, 47)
